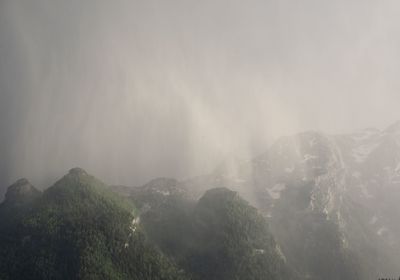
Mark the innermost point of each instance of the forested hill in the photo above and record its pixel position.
(80, 229)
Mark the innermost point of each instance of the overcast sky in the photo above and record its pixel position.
(132, 90)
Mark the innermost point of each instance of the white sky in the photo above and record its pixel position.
(131, 90)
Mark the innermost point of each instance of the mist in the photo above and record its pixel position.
(134, 90)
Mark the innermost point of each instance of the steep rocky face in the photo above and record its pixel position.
(373, 179)
(300, 186)
(311, 183)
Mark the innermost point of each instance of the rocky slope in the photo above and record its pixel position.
(332, 201)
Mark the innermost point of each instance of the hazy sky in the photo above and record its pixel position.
(131, 90)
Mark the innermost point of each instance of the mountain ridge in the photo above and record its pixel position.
(79, 229)
(330, 201)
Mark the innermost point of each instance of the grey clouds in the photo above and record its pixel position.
(132, 90)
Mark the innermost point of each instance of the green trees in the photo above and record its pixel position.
(78, 229)
(220, 237)
(233, 240)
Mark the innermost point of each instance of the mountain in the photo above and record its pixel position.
(77, 229)
(19, 201)
(313, 206)
(81, 229)
(220, 236)
(232, 240)
(21, 192)
(332, 201)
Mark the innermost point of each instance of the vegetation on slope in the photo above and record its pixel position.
(221, 237)
(79, 229)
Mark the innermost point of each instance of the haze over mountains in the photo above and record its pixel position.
(315, 188)
(99, 84)
(226, 133)
(350, 182)
(327, 208)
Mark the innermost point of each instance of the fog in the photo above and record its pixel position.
(132, 90)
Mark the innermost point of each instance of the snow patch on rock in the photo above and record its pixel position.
(275, 191)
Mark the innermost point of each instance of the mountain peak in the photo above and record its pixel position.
(21, 189)
(217, 196)
(77, 171)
